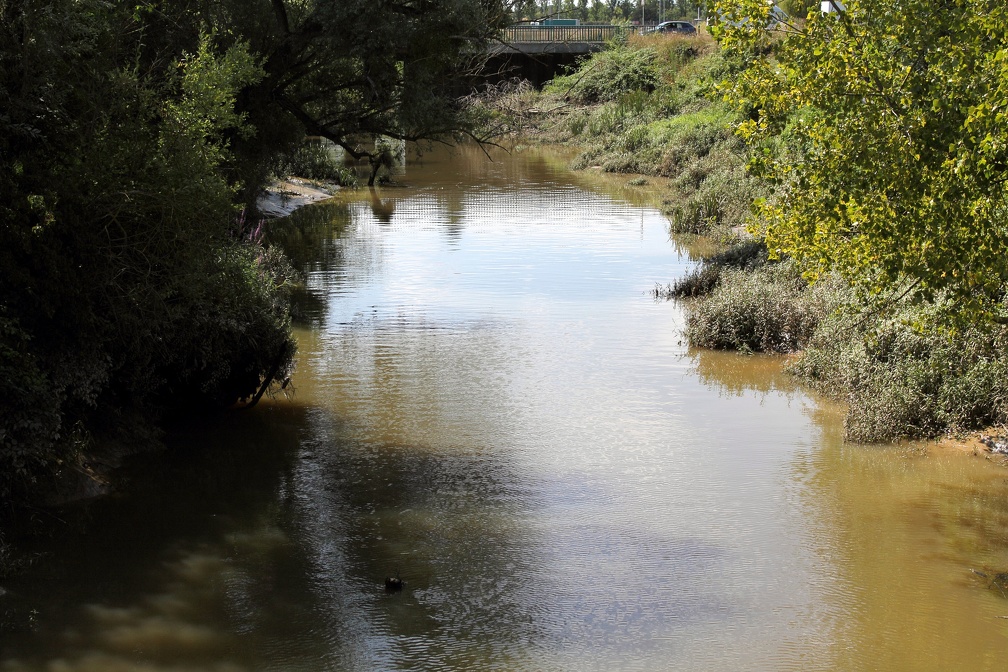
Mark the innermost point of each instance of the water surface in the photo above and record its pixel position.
(490, 404)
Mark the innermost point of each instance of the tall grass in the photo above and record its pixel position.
(771, 309)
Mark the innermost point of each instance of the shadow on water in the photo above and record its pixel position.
(309, 236)
(312, 240)
(266, 538)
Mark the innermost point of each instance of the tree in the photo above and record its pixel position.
(354, 71)
(894, 113)
(131, 134)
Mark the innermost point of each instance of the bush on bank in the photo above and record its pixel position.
(902, 373)
(769, 309)
(904, 376)
(313, 161)
(129, 285)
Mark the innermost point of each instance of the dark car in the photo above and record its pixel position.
(674, 27)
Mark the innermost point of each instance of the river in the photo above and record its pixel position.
(490, 404)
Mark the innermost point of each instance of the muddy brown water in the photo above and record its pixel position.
(490, 404)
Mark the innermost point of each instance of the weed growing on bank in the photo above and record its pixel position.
(904, 376)
(744, 254)
(770, 309)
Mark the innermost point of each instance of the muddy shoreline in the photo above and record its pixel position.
(283, 197)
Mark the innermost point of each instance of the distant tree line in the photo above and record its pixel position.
(606, 11)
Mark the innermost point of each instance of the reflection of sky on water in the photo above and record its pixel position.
(501, 258)
(490, 403)
(641, 524)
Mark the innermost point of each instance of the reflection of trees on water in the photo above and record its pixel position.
(324, 245)
(137, 574)
(330, 245)
(733, 374)
(271, 539)
(382, 209)
(446, 523)
(693, 246)
(310, 235)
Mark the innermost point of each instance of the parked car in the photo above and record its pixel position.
(677, 27)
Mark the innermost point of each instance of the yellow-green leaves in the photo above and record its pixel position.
(209, 83)
(896, 112)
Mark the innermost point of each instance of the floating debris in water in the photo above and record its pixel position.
(999, 580)
(393, 584)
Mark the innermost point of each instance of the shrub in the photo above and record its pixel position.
(313, 160)
(234, 331)
(29, 413)
(700, 213)
(577, 123)
(605, 120)
(772, 309)
(905, 377)
(608, 75)
(700, 281)
(711, 195)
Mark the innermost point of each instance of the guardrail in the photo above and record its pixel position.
(524, 34)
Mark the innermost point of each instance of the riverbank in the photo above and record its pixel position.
(91, 475)
(650, 108)
(283, 197)
(990, 442)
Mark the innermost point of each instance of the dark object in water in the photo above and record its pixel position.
(999, 581)
(393, 584)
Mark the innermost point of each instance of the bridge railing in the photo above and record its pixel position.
(526, 34)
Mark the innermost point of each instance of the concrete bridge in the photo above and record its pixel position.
(539, 53)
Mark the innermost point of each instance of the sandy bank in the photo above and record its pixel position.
(284, 197)
(991, 443)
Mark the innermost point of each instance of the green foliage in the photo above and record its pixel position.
(355, 71)
(673, 130)
(917, 87)
(700, 281)
(700, 214)
(130, 133)
(29, 408)
(129, 283)
(904, 376)
(878, 132)
(233, 331)
(609, 75)
(799, 9)
(313, 161)
(770, 310)
(123, 286)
